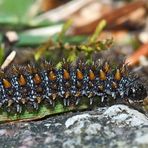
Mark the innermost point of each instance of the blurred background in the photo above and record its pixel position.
(72, 29)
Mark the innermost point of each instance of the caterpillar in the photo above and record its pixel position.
(68, 87)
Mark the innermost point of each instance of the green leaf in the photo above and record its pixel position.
(41, 113)
(64, 29)
(31, 40)
(72, 56)
(41, 50)
(1, 55)
(15, 11)
(97, 32)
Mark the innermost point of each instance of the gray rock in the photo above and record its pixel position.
(116, 126)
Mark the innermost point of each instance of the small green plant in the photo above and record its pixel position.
(60, 49)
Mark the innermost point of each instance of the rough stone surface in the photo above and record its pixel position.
(116, 126)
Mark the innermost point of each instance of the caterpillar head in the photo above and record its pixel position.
(136, 92)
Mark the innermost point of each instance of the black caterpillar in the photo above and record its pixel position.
(31, 86)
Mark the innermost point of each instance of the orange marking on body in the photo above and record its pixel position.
(78, 94)
(117, 75)
(123, 70)
(102, 75)
(66, 75)
(10, 102)
(54, 86)
(15, 70)
(39, 99)
(30, 68)
(67, 84)
(91, 75)
(67, 94)
(79, 74)
(90, 84)
(106, 67)
(79, 84)
(37, 79)
(39, 89)
(114, 85)
(52, 76)
(100, 87)
(22, 80)
(54, 96)
(23, 100)
(6, 83)
(90, 95)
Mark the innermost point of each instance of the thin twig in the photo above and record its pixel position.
(9, 59)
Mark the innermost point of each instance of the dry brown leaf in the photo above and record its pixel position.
(114, 17)
(135, 57)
